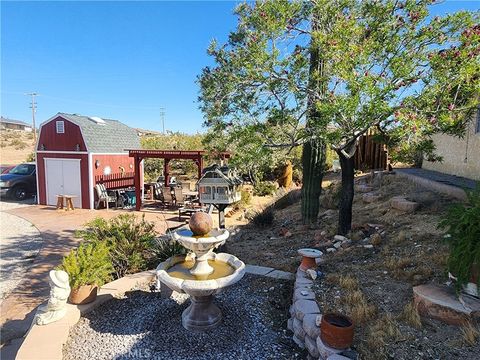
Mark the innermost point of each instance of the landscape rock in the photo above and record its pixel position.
(337, 245)
(402, 204)
(312, 273)
(340, 238)
(361, 188)
(303, 294)
(311, 345)
(305, 307)
(441, 303)
(318, 320)
(298, 329)
(371, 197)
(290, 324)
(310, 325)
(376, 239)
(368, 246)
(331, 250)
(285, 232)
(325, 351)
(337, 357)
(300, 343)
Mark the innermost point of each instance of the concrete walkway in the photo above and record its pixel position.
(57, 228)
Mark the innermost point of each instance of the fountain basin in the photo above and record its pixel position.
(202, 314)
(202, 246)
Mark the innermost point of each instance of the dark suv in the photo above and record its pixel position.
(19, 182)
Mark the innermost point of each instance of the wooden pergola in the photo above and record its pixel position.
(167, 155)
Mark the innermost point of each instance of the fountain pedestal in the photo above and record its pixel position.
(202, 314)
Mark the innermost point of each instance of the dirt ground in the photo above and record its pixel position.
(371, 285)
(15, 146)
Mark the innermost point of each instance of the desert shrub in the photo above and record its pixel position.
(245, 200)
(19, 144)
(89, 264)
(264, 218)
(264, 188)
(130, 241)
(165, 247)
(30, 157)
(463, 226)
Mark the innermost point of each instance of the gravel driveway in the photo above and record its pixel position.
(20, 242)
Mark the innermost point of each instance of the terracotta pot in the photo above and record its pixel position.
(83, 295)
(336, 331)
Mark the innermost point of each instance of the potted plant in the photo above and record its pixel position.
(336, 330)
(88, 267)
(462, 221)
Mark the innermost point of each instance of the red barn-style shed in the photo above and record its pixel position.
(73, 149)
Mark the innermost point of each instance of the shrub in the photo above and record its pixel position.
(264, 188)
(30, 157)
(19, 144)
(463, 225)
(245, 200)
(88, 265)
(165, 247)
(264, 218)
(130, 241)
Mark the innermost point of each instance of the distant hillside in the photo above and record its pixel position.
(15, 146)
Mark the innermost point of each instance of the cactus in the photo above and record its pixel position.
(313, 159)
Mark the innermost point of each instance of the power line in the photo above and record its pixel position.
(162, 119)
(33, 106)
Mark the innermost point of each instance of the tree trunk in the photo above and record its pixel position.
(346, 194)
(313, 160)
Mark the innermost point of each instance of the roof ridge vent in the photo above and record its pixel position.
(97, 120)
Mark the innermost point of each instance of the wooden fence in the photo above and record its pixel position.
(371, 154)
(116, 181)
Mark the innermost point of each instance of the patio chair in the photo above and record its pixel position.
(157, 191)
(104, 196)
(167, 196)
(179, 199)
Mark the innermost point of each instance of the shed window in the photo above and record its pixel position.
(60, 127)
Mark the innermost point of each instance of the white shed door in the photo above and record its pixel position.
(62, 177)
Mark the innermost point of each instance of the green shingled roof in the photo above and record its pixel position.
(111, 137)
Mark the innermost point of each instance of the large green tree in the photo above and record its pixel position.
(326, 71)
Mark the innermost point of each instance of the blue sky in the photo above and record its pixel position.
(119, 60)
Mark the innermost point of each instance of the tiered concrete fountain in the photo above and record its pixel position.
(201, 273)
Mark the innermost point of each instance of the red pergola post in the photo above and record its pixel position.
(136, 182)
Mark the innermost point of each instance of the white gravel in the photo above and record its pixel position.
(142, 325)
(20, 242)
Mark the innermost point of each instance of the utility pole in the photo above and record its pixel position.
(33, 106)
(162, 118)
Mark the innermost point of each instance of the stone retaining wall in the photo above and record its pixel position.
(305, 318)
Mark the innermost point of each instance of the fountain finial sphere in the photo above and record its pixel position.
(200, 223)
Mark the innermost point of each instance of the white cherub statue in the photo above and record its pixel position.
(59, 292)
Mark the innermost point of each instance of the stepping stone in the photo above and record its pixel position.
(300, 343)
(279, 274)
(441, 303)
(258, 270)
